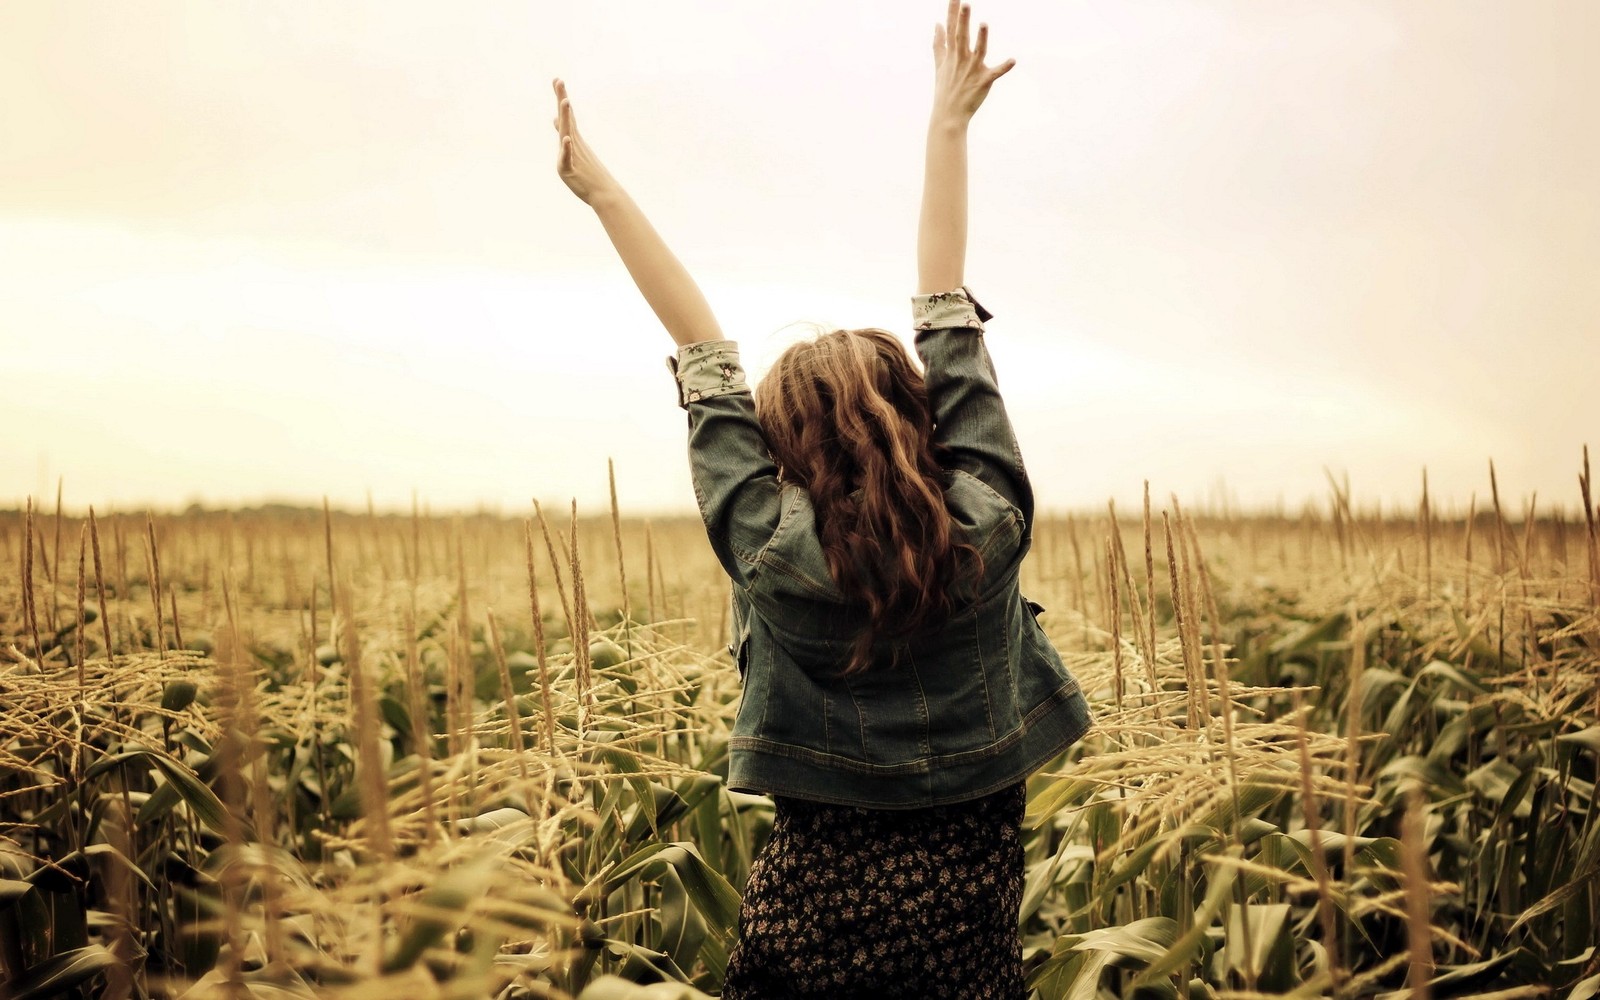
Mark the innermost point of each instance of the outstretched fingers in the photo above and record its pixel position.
(565, 127)
(955, 35)
(564, 122)
(962, 76)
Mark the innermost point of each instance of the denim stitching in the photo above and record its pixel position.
(922, 703)
(983, 677)
(920, 765)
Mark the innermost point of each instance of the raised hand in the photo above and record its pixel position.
(579, 168)
(961, 80)
(661, 278)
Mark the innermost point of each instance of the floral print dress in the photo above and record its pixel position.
(876, 903)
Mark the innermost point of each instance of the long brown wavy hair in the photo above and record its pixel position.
(846, 418)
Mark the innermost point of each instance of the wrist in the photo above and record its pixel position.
(606, 199)
(948, 123)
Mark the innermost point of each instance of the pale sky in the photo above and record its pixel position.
(275, 251)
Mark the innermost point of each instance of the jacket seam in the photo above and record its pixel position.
(877, 802)
(922, 704)
(994, 493)
(770, 560)
(839, 795)
(766, 703)
(827, 720)
(919, 765)
(861, 719)
(783, 522)
(768, 557)
(983, 677)
(758, 560)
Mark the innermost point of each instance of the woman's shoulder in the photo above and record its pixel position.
(793, 562)
(974, 503)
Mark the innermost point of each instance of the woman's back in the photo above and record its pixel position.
(896, 687)
(955, 710)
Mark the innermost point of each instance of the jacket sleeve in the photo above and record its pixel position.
(969, 417)
(735, 479)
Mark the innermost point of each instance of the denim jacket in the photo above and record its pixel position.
(972, 706)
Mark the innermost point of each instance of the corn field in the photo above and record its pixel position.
(314, 753)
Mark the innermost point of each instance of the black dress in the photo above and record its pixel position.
(851, 902)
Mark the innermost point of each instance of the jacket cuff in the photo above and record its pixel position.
(943, 310)
(707, 369)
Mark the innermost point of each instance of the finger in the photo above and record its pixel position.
(983, 42)
(938, 42)
(561, 101)
(568, 125)
(951, 16)
(961, 28)
(1004, 68)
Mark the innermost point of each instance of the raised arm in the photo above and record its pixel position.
(970, 420)
(661, 278)
(961, 82)
(735, 480)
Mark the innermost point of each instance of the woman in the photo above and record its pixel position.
(897, 689)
